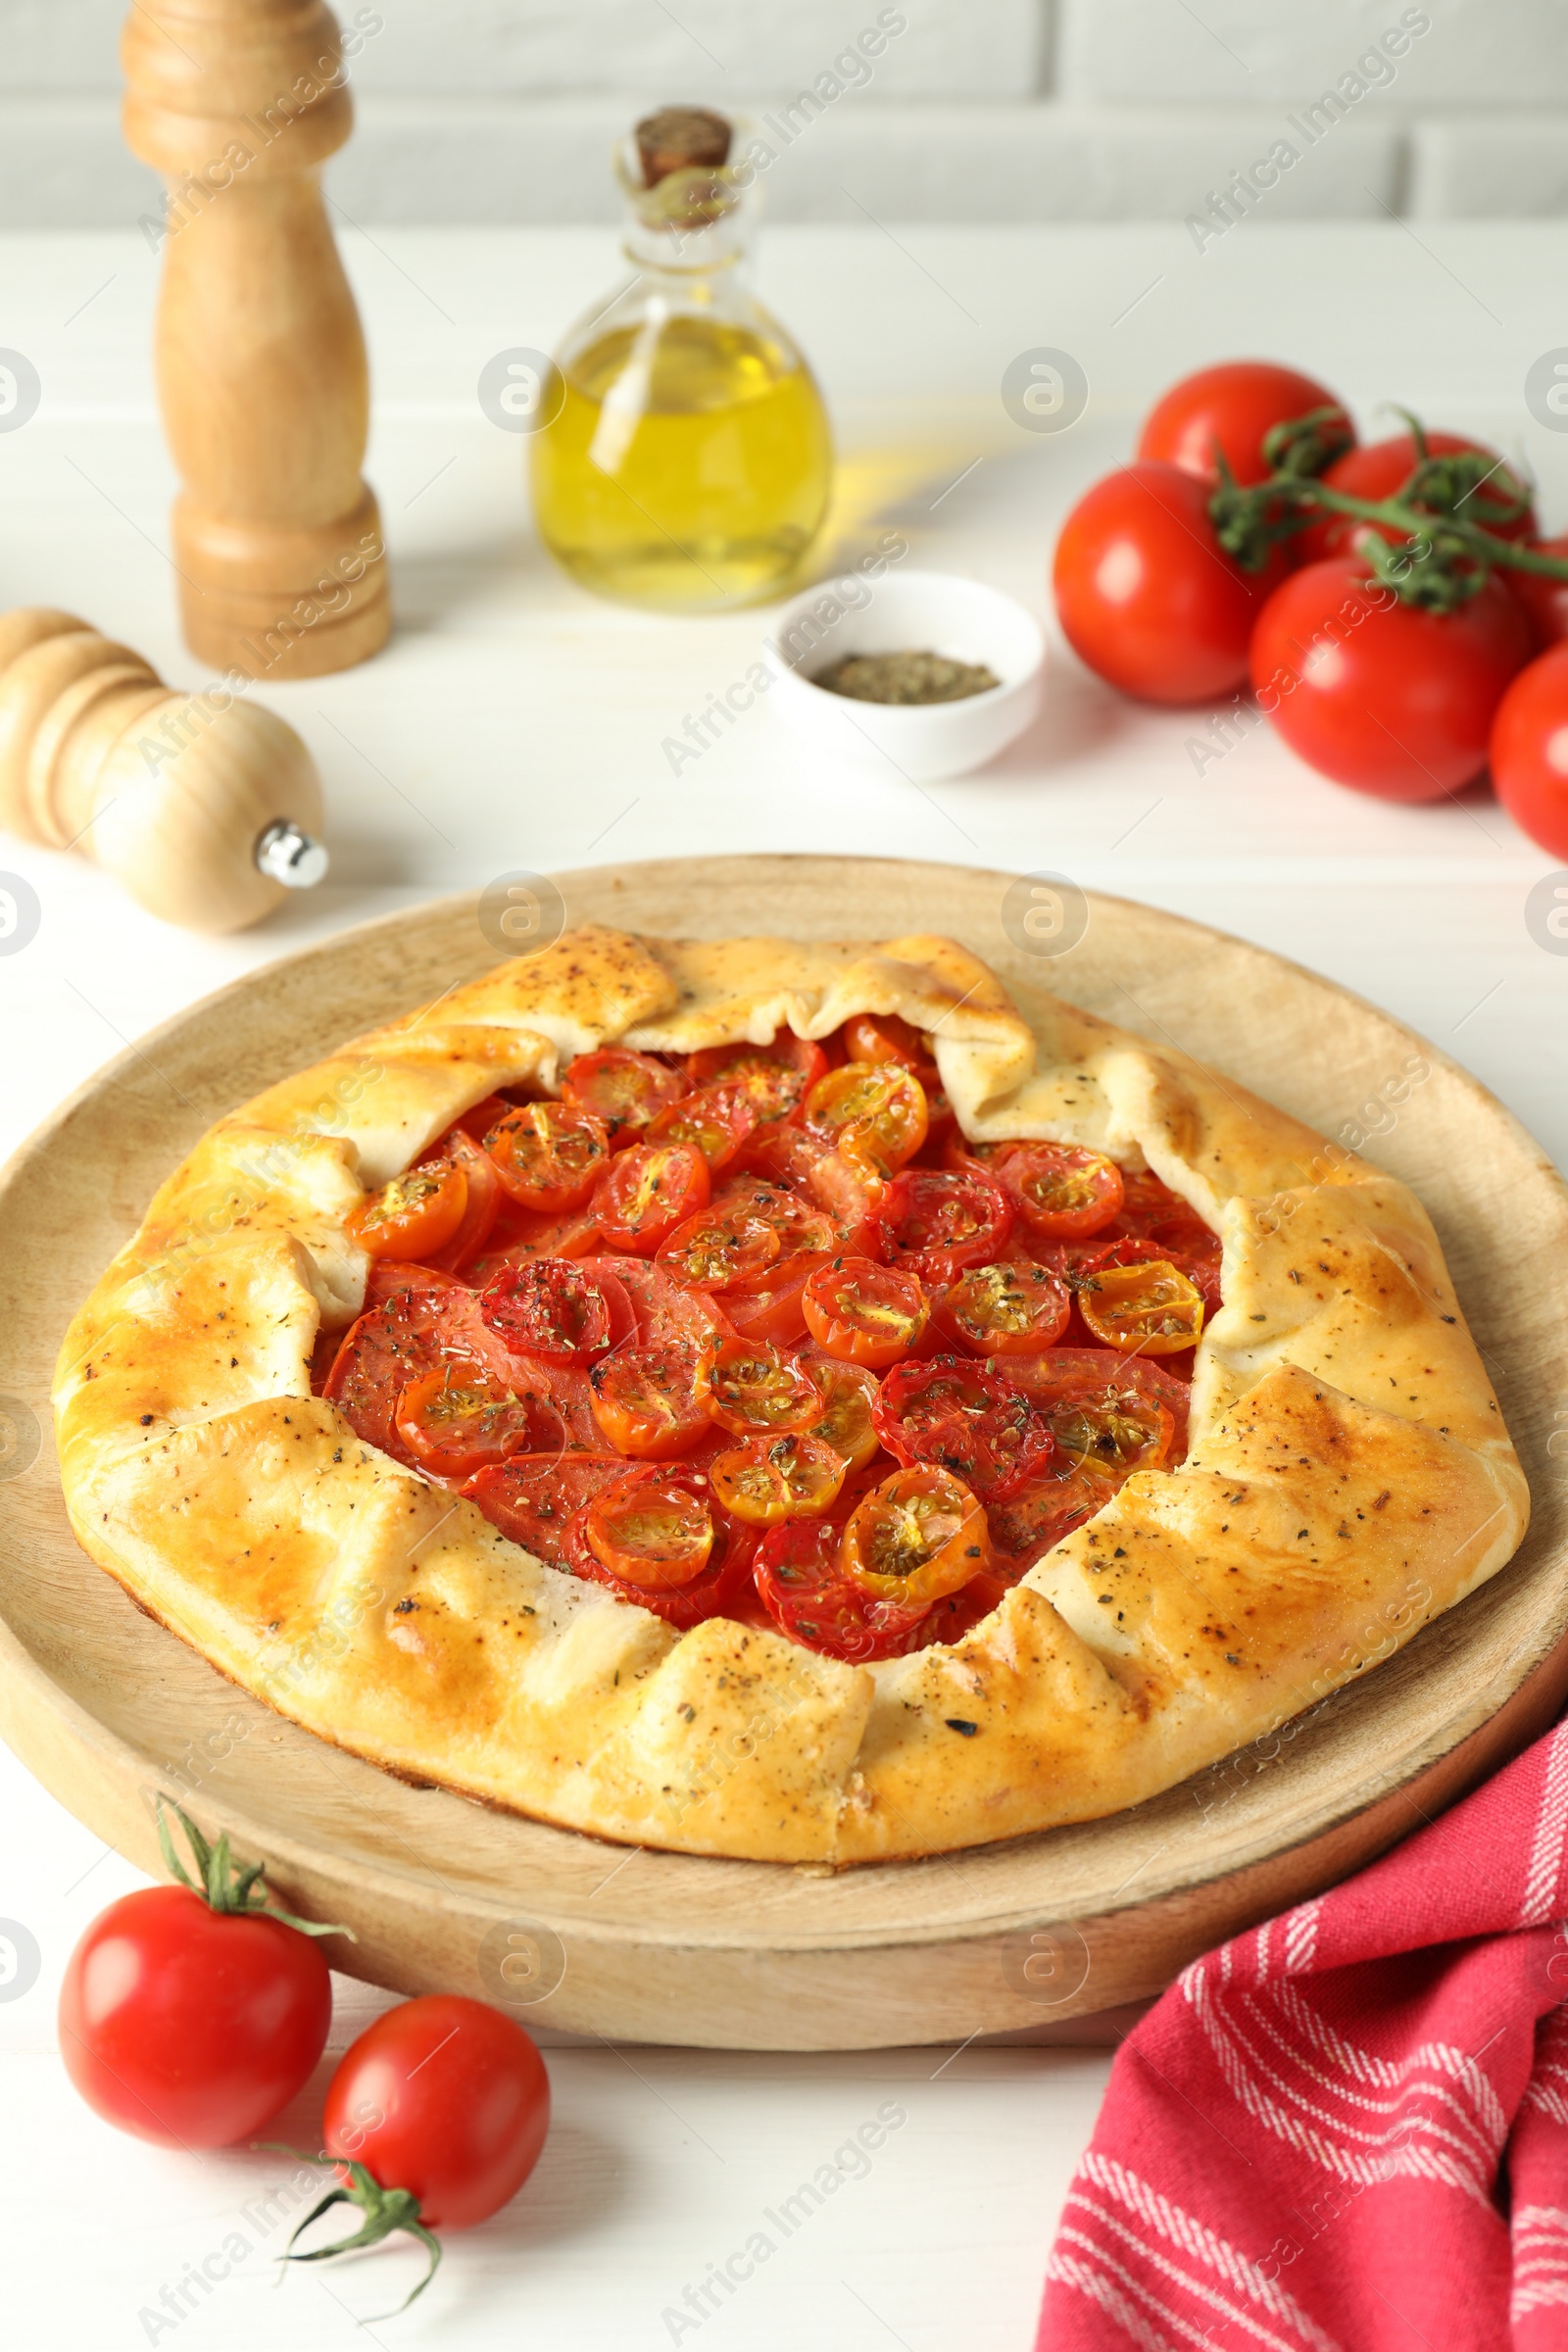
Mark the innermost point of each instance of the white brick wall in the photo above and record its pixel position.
(506, 110)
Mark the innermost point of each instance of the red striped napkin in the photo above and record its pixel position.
(1347, 2131)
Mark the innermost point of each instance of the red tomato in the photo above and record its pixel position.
(480, 1210)
(1530, 750)
(1146, 594)
(454, 1422)
(753, 1391)
(1062, 1190)
(865, 1313)
(415, 1214)
(1377, 694)
(775, 1077)
(549, 1155)
(933, 1222)
(445, 2097)
(1381, 468)
(561, 1308)
(627, 1090)
(642, 1536)
(1230, 407)
(807, 1592)
(1545, 601)
(644, 1401)
(1007, 1308)
(883, 1037)
(724, 1246)
(717, 1121)
(647, 1193)
(189, 2025)
(531, 1497)
(966, 1418)
(1117, 1413)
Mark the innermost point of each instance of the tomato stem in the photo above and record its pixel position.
(384, 2209)
(222, 1886)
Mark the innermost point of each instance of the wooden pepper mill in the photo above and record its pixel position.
(261, 361)
(206, 807)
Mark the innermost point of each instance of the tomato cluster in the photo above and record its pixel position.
(759, 1334)
(1397, 673)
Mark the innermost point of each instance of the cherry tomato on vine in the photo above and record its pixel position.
(188, 2014)
(1381, 468)
(414, 1215)
(627, 1090)
(1230, 408)
(919, 1535)
(647, 1193)
(865, 1313)
(549, 1155)
(1380, 694)
(1530, 750)
(1544, 601)
(1147, 596)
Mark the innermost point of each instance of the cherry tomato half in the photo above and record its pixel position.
(188, 2026)
(531, 1497)
(849, 1393)
(1007, 1308)
(650, 1527)
(1142, 1309)
(644, 1401)
(722, 1247)
(1380, 696)
(885, 1037)
(1146, 595)
(648, 1192)
(480, 1210)
(454, 1423)
(805, 1589)
(865, 1313)
(1062, 1190)
(919, 1534)
(879, 1107)
(767, 1480)
(755, 1390)
(416, 1213)
(966, 1418)
(627, 1090)
(445, 2097)
(1530, 757)
(1229, 408)
(933, 1222)
(558, 1308)
(717, 1121)
(775, 1078)
(548, 1154)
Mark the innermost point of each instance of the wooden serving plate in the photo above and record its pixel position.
(106, 1706)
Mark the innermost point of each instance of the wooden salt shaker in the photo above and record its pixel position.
(207, 807)
(261, 361)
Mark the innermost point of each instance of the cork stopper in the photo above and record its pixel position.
(681, 138)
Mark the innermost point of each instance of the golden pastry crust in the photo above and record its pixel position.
(1348, 1475)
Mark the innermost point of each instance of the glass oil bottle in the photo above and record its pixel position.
(689, 465)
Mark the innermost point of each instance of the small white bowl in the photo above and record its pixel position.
(919, 611)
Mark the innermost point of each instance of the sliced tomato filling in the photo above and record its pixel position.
(764, 1337)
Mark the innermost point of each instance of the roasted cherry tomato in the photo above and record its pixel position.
(722, 1247)
(531, 1497)
(774, 1314)
(644, 1401)
(933, 1222)
(558, 1307)
(865, 1313)
(1530, 760)
(191, 2017)
(550, 1155)
(796, 1476)
(1121, 1412)
(648, 1192)
(1226, 410)
(775, 1078)
(1061, 1191)
(966, 1417)
(1383, 467)
(444, 2098)
(1034, 1520)
(717, 1121)
(414, 1215)
(849, 1393)
(883, 1037)
(627, 1090)
(454, 1423)
(918, 1536)
(751, 1389)
(1142, 1309)
(1378, 693)
(1129, 1249)
(805, 1591)
(876, 1109)
(1007, 1308)
(650, 1527)
(1147, 597)
(480, 1210)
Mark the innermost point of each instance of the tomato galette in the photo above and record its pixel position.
(781, 1400)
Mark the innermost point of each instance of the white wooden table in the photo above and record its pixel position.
(516, 723)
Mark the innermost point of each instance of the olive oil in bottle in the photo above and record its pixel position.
(689, 464)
